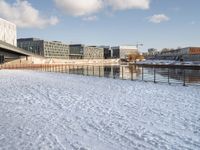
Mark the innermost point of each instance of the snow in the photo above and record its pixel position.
(54, 111)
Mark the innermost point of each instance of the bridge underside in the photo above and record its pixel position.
(9, 53)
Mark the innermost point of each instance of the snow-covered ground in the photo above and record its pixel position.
(53, 111)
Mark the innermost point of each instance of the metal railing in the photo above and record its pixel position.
(174, 74)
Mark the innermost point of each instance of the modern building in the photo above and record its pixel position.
(107, 51)
(76, 51)
(8, 33)
(184, 54)
(48, 49)
(93, 52)
(122, 52)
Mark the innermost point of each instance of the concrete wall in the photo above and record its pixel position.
(42, 60)
(8, 32)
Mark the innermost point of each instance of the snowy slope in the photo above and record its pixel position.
(52, 111)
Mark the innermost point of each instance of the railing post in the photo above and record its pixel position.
(93, 70)
(122, 72)
(154, 70)
(168, 76)
(184, 77)
(99, 71)
(62, 68)
(113, 72)
(142, 73)
(131, 73)
(87, 70)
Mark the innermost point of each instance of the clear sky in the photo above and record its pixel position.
(154, 23)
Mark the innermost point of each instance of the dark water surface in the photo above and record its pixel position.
(134, 72)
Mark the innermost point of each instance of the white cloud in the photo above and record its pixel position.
(158, 18)
(89, 7)
(90, 18)
(24, 15)
(128, 4)
(80, 7)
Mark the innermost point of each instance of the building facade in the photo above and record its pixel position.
(33, 45)
(76, 51)
(122, 52)
(8, 32)
(48, 49)
(184, 54)
(93, 52)
(56, 49)
(107, 51)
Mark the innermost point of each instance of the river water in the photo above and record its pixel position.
(135, 72)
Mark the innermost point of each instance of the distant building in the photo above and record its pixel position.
(76, 51)
(8, 32)
(107, 51)
(115, 53)
(122, 52)
(93, 52)
(48, 49)
(79, 51)
(152, 50)
(185, 54)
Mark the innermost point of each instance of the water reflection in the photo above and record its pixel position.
(134, 72)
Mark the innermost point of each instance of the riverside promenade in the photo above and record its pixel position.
(47, 110)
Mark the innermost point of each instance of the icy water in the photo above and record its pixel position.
(137, 73)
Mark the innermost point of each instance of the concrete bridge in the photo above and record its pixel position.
(9, 53)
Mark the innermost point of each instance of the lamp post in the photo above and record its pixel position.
(137, 45)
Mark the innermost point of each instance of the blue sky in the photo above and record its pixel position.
(155, 23)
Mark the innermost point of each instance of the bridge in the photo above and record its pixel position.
(9, 52)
